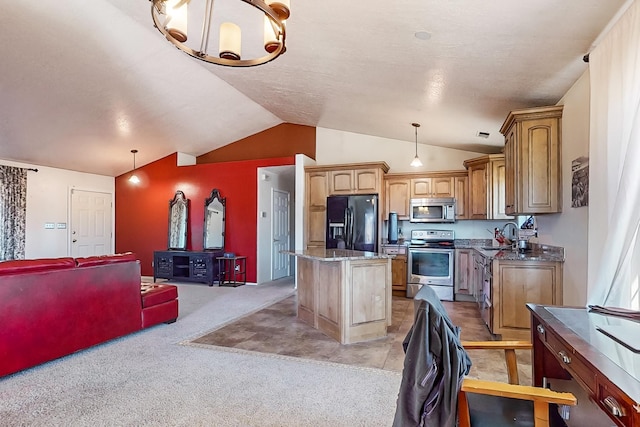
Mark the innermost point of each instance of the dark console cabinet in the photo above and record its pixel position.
(186, 266)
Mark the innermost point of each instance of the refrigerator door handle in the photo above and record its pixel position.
(349, 226)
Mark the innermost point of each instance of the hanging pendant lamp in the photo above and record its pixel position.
(134, 178)
(416, 163)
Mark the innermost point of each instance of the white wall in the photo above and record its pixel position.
(569, 229)
(336, 147)
(269, 179)
(48, 200)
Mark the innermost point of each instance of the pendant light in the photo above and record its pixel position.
(134, 178)
(416, 163)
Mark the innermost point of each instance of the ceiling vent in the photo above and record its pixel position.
(484, 135)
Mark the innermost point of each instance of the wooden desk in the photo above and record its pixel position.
(567, 345)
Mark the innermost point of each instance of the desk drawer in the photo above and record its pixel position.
(571, 361)
(615, 403)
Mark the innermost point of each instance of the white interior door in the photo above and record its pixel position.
(91, 231)
(280, 233)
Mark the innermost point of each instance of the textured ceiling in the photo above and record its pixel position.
(84, 82)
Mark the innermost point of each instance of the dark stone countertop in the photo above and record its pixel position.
(538, 252)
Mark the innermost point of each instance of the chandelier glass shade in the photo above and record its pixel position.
(251, 32)
(416, 163)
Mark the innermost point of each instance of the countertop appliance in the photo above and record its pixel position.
(435, 209)
(430, 262)
(352, 222)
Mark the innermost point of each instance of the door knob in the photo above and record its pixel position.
(74, 240)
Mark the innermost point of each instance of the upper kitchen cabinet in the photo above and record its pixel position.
(360, 178)
(397, 196)
(487, 195)
(316, 192)
(401, 188)
(437, 186)
(533, 161)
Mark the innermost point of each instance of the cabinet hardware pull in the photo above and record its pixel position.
(540, 329)
(565, 359)
(613, 406)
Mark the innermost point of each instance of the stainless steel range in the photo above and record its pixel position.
(431, 255)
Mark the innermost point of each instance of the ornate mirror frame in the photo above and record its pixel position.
(214, 221)
(178, 220)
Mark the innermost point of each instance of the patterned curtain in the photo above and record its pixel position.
(13, 212)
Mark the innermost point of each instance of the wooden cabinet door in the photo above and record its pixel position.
(421, 187)
(316, 209)
(317, 189)
(497, 188)
(540, 181)
(464, 272)
(399, 273)
(461, 190)
(478, 192)
(516, 283)
(442, 187)
(316, 227)
(341, 182)
(367, 180)
(510, 171)
(398, 194)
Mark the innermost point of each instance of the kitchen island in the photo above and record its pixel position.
(343, 293)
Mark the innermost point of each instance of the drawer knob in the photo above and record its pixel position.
(613, 406)
(563, 356)
(540, 329)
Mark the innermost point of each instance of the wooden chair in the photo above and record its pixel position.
(502, 402)
(433, 341)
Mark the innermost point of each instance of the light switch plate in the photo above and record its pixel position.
(61, 225)
(49, 225)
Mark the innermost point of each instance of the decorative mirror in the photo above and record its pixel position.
(178, 217)
(214, 218)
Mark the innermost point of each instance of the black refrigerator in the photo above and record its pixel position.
(352, 222)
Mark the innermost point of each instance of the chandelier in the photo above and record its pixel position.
(263, 23)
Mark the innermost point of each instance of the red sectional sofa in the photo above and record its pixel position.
(50, 308)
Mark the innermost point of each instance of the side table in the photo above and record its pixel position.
(232, 271)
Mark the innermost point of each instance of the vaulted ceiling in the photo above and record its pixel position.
(84, 82)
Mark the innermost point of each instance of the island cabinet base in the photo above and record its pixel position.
(348, 300)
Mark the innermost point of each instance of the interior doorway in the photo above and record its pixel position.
(276, 194)
(90, 228)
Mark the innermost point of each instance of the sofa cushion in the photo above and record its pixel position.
(35, 265)
(157, 294)
(105, 259)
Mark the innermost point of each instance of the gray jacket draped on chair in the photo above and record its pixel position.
(434, 366)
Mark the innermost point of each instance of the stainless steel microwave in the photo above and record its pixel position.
(440, 209)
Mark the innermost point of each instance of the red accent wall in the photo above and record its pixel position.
(142, 211)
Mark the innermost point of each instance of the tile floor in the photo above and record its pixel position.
(277, 330)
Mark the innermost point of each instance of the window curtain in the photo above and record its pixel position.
(614, 151)
(13, 212)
